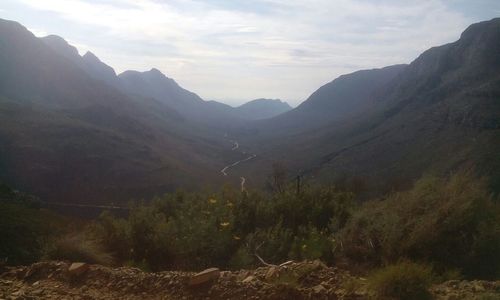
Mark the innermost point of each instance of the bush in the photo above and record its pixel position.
(21, 233)
(199, 230)
(312, 244)
(405, 280)
(452, 223)
(77, 248)
(24, 227)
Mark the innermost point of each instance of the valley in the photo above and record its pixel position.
(382, 183)
(151, 135)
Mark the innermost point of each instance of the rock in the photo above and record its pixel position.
(318, 264)
(271, 273)
(318, 289)
(249, 279)
(205, 276)
(77, 269)
(286, 263)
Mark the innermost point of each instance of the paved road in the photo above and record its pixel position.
(243, 180)
(225, 170)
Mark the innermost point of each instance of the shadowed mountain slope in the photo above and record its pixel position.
(71, 129)
(66, 136)
(440, 113)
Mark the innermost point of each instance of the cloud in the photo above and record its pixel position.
(249, 49)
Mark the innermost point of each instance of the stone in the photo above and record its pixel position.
(78, 269)
(318, 264)
(208, 275)
(271, 273)
(249, 279)
(318, 289)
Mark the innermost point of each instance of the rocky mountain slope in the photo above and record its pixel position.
(306, 280)
(446, 101)
(67, 136)
(72, 129)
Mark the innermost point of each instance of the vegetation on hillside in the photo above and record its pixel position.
(441, 226)
(23, 227)
(452, 223)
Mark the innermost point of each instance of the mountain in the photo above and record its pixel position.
(88, 62)
(262, 109)
(72, 130)
(389, 126)
(153, 84)
(99, 70)
(67, 136)
(338, 100)
(149, 85)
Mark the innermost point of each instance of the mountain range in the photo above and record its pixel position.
(72, 130)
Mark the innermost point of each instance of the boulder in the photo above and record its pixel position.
(208, 275)
(77, 269)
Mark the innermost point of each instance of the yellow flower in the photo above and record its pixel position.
(212, 201)
(224, 224)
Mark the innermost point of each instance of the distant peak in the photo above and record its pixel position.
(53, 37)
(59, 44)
(265, 100)
(156, 71)
(156, 74)
(89, 54)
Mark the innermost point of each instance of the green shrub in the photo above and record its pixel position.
(453, 223)
(79, 248)
(242, 259)
(113, 234)
(272, 244)
(21, 233)
(311, 244)
(405, 280)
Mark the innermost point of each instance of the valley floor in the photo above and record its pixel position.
(306, 280)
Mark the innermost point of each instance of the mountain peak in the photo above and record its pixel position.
(263, 108)
(60, 45)
(98, 69)
(91, 57)
(155, 70)
(485, 27)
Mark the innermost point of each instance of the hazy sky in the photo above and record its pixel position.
(237, 50)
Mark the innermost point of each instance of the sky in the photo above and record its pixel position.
(238, 50)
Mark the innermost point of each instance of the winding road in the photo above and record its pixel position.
(226, 168)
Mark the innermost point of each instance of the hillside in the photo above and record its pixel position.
(155, 85)
(73, 129)
(337, 101)
(406, 123)
(67, 136)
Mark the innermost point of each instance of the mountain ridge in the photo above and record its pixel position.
(404, 121)
(445, 101)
